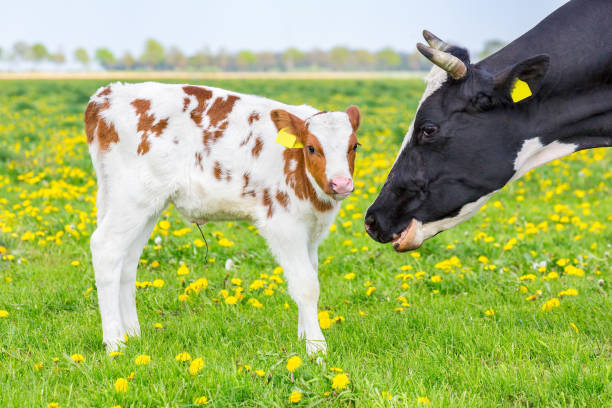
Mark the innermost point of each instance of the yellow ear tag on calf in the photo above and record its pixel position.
(520, 91)
(288, 140)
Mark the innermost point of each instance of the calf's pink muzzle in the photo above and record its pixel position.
(341, 185)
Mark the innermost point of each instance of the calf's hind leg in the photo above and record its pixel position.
(127, 287)
(117, 232)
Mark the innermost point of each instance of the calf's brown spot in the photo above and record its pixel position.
(267, 202)
(146, 124)
(202, 95)
(257, 148)
(220, 109)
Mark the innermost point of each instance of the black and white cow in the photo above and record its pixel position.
(480, 126)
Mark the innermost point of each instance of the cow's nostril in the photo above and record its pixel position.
(370, 222)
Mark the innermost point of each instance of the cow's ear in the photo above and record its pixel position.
(523, 79)
(354, 116)
(285, 120)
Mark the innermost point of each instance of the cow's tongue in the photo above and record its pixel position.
(409, 238)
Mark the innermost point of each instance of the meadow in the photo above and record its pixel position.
(510, 309)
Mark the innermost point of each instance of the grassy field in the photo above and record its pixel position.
(511, 309)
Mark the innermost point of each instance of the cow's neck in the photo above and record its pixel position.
(572, 109)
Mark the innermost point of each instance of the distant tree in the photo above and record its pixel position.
(339, 57)
(266, 61)
(387, 58)
(127, 60)
(20, 50)
(1, 53)
(105, 57)
(416, 62)
(490, 47)
(38, 52)
(292, 57)
(153, 54)
(364, 59)
(176, 59)
(200, 60)
(223, 60)
(81, 55)
(245, 60)
(58, 57)
(318, 59)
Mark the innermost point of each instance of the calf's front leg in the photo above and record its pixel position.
(293, 255)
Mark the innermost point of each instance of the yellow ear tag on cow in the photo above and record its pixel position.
(288, 140)
(520, 91)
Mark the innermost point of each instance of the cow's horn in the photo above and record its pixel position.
(451, 64)
(435, 42)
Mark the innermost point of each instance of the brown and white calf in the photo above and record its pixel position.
(214, 155)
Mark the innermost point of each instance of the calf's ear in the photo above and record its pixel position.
(521, 80)
(285, 120)
(354, 116)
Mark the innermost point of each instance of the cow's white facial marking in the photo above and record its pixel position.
(435, 79)
(467, 211)
(534, 154)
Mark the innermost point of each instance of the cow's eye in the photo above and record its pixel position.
(311, 149)
(428, 130)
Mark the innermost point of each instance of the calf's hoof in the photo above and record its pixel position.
(316, 347)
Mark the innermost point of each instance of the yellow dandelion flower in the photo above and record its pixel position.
(370, 290)
(201, 400)
(196, 365)
(550, 304)
(336, 369)
(75, 263)
(295, 397)
(423, 401)
(340, 381)
(77, 358)
(4, 313)
(260, 373)
(490, 312)
(231, 300)
(182, 357)
(53, 405)
(142, 359)
(349, 276)
(436, 278)
(115, 353)
(325, 321)
(224, 242)
(121, 385)
(293, 363)
(182, 270)
(158, 283)
(568, 292)
(574, 327)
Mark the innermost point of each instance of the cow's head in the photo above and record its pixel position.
(462, 146)
(328, 148)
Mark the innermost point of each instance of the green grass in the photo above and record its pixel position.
(443, 346)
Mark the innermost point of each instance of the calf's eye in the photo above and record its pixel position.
(356, 146)
(311, 149)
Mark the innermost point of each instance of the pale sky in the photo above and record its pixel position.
(259, 25)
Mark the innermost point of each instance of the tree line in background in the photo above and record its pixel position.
(157, 57)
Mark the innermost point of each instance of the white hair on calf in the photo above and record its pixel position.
(213, 154)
